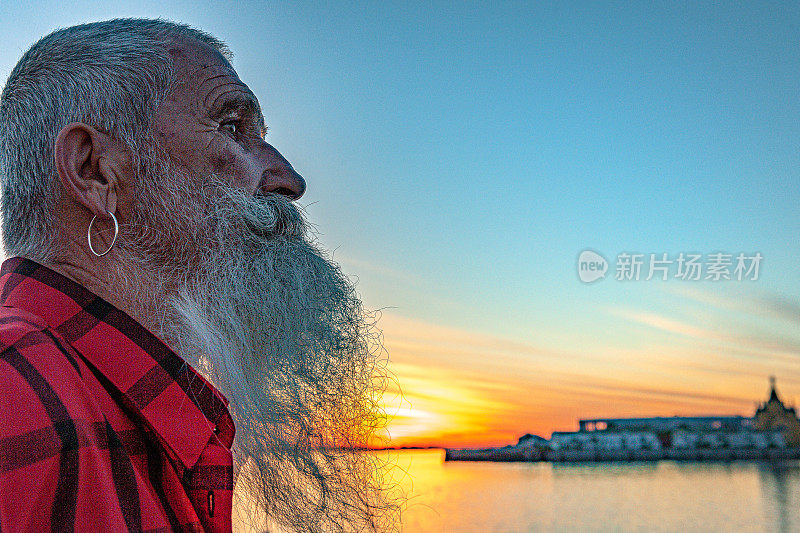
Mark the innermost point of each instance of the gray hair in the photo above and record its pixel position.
(111, 75)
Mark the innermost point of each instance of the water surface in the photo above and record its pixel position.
(663, 496)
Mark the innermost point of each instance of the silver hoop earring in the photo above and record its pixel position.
(89, 235)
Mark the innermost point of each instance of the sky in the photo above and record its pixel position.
(460, 157)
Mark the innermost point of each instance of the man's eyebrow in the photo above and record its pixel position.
(241, 103)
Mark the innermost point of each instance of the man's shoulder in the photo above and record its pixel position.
(55, 438)
(41, 378)
(24, 333)
(16, 324)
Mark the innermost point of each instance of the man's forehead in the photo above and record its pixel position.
(207, 77)
(196, 61)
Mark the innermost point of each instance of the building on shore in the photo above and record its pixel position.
(772, 433)
(774, 425)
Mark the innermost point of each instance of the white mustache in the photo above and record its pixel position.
(264, 214)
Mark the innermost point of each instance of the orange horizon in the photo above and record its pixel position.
(452, 387)
(503, 438)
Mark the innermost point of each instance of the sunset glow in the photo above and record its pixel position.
(460, 388)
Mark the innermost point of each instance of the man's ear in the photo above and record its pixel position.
(90, 166)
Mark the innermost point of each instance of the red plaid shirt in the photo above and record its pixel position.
(102, 426)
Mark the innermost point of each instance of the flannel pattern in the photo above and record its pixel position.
(102, 426)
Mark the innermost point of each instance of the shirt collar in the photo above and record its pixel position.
(137, 368)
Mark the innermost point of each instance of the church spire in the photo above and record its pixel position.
(773, 395)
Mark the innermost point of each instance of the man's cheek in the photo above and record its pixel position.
(224, 163)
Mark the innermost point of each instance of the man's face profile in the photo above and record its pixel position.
(212, 124)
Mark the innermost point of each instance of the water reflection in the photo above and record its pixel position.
(664, 496)
(779, 491)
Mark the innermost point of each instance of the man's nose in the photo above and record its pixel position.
(280, 178)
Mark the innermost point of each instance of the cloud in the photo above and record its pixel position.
(734, 339)
(667, 324)
(746, 300)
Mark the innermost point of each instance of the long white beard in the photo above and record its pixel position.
(281, 332)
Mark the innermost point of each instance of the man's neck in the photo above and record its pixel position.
(138, 292)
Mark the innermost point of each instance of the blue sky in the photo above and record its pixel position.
(460, 156)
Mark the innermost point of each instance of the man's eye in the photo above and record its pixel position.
(231, 127)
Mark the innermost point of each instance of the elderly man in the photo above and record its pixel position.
(161, 285)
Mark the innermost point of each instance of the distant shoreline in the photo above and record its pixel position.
(514, 454)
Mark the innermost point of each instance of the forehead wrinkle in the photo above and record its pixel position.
(238, 86)
(202, 83)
